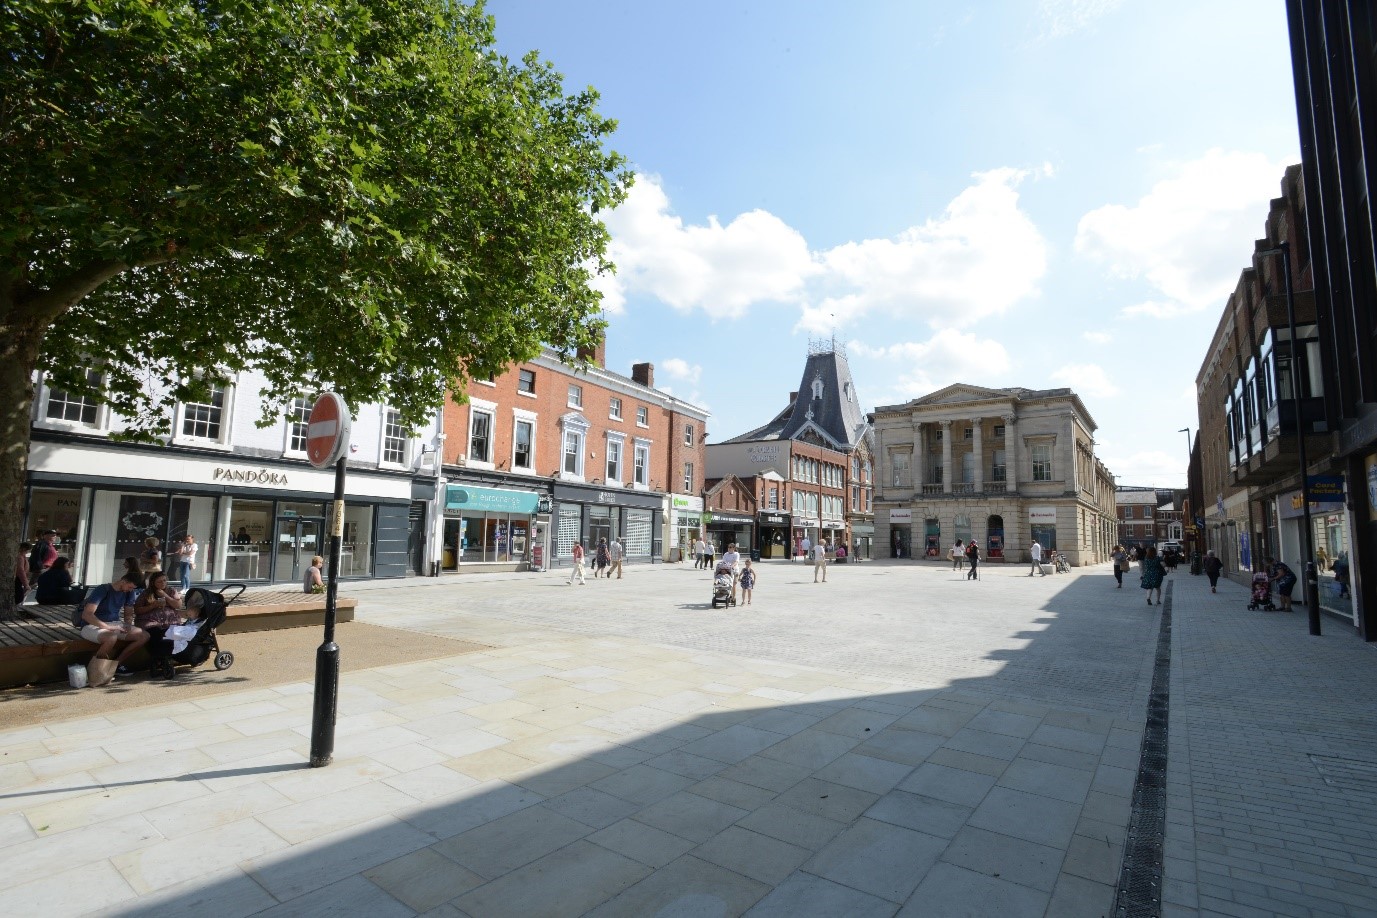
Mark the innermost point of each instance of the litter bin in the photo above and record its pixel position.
(1195, 562)
(755, 556)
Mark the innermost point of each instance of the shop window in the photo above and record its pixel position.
(71, 408)
(525, 381)
(523, 453)
(298, 416)
(638, 533)
(575, 396)
(614, 409)
(60, 509)
(356, 553)
(568, 528)
(205, 420)
(642, 416)
(1042, 462)
(250, 541)
(394, 438)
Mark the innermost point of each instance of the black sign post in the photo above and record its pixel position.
(327, 442)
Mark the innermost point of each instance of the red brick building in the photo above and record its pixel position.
(546, 455)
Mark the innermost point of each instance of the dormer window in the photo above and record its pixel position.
(817, 387)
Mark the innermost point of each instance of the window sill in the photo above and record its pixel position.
(486, 382)
(569, 476)
(71, 427)
(198, 442)
(525, 394)
(642, 426)
(392, 466)
(480, 464)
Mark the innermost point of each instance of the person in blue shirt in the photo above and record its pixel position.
(103, 621)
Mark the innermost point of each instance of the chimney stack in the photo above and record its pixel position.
(644, 373)
(596, 355)
(793, 397)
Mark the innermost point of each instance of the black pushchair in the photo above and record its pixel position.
(212, 610)
(723, 582)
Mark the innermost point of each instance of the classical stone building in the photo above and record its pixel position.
(1001, 466)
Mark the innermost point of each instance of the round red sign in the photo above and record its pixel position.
(327, 431)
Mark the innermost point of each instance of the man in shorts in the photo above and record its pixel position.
(102, 623)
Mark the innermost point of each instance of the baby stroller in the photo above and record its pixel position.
(723, 579)
(1262, 594)
(212, 609)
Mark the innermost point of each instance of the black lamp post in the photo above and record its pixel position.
(1312, 577)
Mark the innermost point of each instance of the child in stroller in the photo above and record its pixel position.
(723, 581)
(192, 643)
(1261, 597)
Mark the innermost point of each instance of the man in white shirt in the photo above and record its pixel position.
(615, 553)
(698, 552)
(807, 547)
(1035, 550)
(733, 557)
(820, 560)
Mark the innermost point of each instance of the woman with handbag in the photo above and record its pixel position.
(1153, 574)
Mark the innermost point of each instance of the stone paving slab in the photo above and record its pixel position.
(899, 745)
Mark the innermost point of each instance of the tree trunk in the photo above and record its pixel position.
(20, 341)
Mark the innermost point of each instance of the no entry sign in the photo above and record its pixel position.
(327, 431)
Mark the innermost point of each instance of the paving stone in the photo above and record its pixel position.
(689, 886)
(878, 858)
(807, 896)
(569, 882)
(952, 891)
(1005, 857)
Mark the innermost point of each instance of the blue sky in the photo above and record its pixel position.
(1031, 193)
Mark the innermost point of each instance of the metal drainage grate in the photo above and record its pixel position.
(1139, 893)
(1349, 774)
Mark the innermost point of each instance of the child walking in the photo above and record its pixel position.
(747, 582)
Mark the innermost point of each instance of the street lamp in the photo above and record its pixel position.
(1312, 577)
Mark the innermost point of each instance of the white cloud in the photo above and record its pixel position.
(1159, 309)
(913, 368)
(1063, 17)
(721, 270)
(1086, 379)
(1147, 468)
(682, 369)
(1097, 337)
(1188, 236)
(979, 257)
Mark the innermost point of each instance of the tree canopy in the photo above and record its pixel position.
(362, 193)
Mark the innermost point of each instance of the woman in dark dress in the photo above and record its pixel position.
(1213, 568)
(601, 559)
(1285, 579)
(155, 610)
(1153, 574)
(55, 584)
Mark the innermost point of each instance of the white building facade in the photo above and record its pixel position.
(1000, 466)
(246, 493)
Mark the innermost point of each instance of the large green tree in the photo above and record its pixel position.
(359, 193)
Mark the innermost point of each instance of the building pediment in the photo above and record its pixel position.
(960, 392)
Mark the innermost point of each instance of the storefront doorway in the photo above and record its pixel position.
(298, 539)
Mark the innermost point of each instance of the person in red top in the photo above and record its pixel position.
(43, 555)
(578, 563)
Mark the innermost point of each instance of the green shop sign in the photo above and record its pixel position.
(491, 500)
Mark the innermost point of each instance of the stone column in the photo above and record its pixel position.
(918, 467)
(978, 447)
(946, 457)
(1010, 453)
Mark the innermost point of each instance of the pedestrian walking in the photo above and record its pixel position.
(957, 555)
(806, 549)
(43, 554)
(820, 560)
(1120, 564)
(709, 554)
(973, 555)
(698, 553)
(1281, 574)
(1213, 568)
(1035, 552)
(731, 558)
(1153, 573)
(578, 564)
(601, 559)
(747, 581)
(615, 554)
(186, 560)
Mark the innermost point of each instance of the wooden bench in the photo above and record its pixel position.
(39, 646)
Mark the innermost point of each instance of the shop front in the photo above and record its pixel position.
(862, 541)
(1329, 522)
(252, 523)
(683, 525)
(1042, 523)
(726, 528)
(901, 533)
(589, 513)
(773, 528)
(488, 528)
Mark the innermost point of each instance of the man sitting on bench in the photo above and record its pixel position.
(102, 621)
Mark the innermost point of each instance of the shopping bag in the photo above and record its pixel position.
(76, 675)
(100, 671)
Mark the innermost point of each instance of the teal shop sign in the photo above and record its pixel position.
(491, 500)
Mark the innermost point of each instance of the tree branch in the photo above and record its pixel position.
(47, 305)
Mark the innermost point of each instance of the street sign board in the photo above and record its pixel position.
(327, 431)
